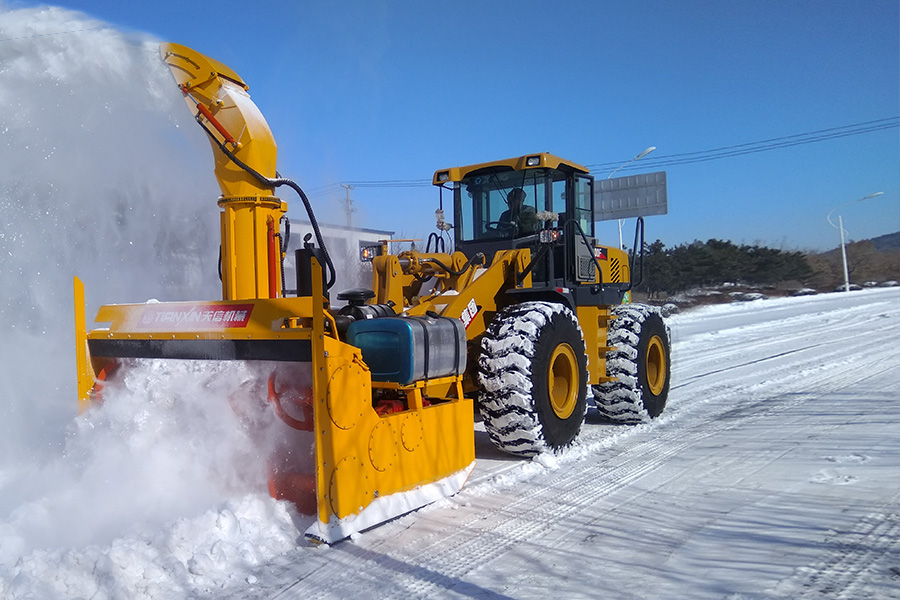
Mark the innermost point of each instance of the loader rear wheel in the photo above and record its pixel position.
(533, 377)
(640, 363)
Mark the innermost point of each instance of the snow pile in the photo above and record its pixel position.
(221, 547)
(138, 504)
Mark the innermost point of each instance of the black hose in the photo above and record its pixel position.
(287, 233)
(315, 225)
(283, 241)
(278, 182)
(479, 257)
(439, 245)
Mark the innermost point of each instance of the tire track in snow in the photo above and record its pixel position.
(693, 378)
(835, 347)
(871, 548)
(869, 551)
(430, 552)
(433, 563)
(698, 351)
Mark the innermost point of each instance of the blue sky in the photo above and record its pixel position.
(391, 90)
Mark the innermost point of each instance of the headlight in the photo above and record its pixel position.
(367, 253)
(443, 176)
(533, 161)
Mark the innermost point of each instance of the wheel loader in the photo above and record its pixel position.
(516, 326)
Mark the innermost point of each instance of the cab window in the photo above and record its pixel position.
(584, 199)
(501, 204)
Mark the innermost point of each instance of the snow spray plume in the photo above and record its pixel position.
(102, 175)
(96, 180)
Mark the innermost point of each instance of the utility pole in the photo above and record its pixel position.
(840, 226)
(348, 204)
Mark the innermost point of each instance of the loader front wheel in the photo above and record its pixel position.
(533, 377)
(640, 363)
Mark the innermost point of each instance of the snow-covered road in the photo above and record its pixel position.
(773, 473)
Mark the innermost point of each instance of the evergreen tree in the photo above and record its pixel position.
(715, 262)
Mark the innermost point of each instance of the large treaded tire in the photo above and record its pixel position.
(640, 363)
(532, 372)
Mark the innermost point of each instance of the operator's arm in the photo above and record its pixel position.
(527, 221)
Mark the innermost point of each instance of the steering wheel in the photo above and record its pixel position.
(500, 226)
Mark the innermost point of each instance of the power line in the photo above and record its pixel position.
(684, 158)
(763, 145)
(321, 190)
(661, 162)
(393, 183)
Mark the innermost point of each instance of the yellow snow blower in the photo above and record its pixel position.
(524, 318)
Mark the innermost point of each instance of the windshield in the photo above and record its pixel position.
(505, 204)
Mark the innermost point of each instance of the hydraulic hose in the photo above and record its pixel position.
(440, 245)
(284, 240)
(477, 257)
(278, 182)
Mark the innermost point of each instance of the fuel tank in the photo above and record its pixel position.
(407, 349)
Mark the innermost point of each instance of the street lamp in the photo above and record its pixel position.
(638, 157)
(840, 226)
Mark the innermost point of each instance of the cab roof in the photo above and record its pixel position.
(543, 160)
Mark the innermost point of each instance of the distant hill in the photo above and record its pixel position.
(888, 241)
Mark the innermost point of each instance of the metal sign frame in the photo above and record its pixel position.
(630, 196)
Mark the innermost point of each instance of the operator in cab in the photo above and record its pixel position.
(521, 216)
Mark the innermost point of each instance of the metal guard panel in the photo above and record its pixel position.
(294, 350)
(230, 318)
(592, 295)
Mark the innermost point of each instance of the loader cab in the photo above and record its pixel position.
(489, 215)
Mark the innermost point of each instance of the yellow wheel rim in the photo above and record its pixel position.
(562, 381)
(655, 365)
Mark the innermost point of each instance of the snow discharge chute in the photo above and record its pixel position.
(380, 448)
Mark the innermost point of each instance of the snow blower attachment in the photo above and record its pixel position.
(522, 315)
(377, 455)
